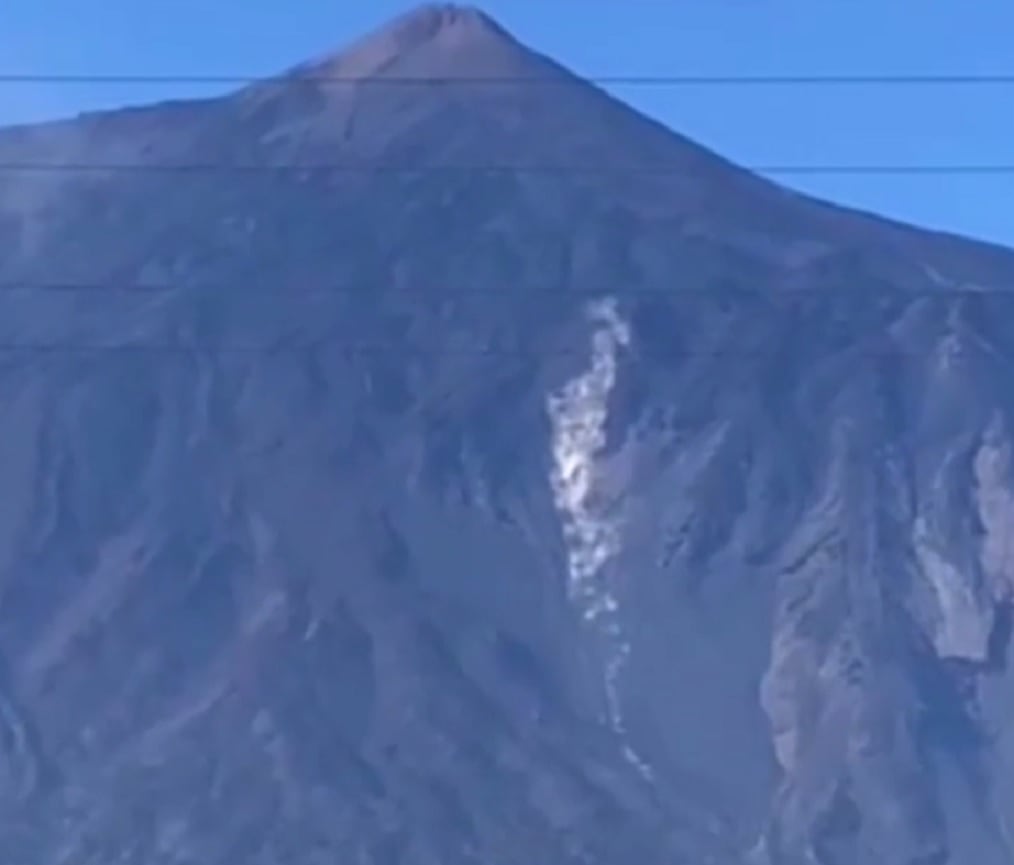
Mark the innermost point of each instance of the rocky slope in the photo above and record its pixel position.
(405, 468)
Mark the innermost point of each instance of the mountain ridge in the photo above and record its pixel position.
(335, 100)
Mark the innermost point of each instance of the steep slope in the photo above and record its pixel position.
(409, 462)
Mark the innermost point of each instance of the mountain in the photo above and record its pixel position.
(423, 459)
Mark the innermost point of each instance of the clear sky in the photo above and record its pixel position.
(798, 124)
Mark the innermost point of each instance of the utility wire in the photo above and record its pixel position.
(287, 345)
(548, 169)
(295, 78)
(561, 289)
(405, 350)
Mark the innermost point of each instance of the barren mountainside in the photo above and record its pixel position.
(423, 459)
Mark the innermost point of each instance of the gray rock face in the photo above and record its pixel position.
(444, 471)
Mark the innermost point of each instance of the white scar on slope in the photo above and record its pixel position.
(578, 414)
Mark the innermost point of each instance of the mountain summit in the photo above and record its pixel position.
(447, 24)
(434, 39)
(446, 472)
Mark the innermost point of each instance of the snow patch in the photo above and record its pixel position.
(964, 618)
(995, 503)
(591, 524)
(949, 352)
(966, 593)
(578, 415)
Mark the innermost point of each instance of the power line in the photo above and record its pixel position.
(297, 78)
(560, 289)
(405, 350)
(284, 345)
(548, 169)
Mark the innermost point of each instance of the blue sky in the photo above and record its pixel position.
(861, 124)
